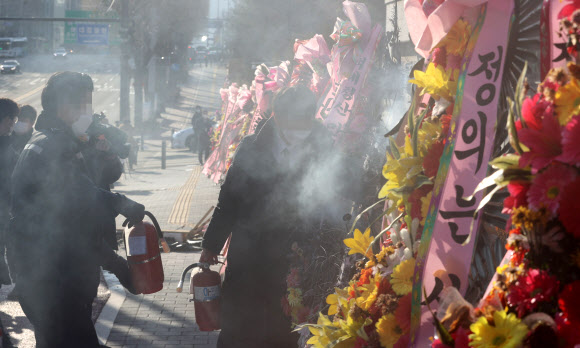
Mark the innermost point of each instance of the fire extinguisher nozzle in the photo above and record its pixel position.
(180, 287)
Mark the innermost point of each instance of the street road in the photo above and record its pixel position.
(25, 88)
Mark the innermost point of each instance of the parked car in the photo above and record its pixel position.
(60, 53)
(10, 66)
(183, 139)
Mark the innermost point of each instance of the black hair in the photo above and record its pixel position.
(8, 108)
(65, 88)
(294, 103)
(27, 112)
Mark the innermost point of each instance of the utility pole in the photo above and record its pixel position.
(125, 80)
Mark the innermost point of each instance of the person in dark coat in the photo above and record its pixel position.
(197, 115)
(202, 128)
(55, 242)
(279, 180)
(8, 115)
(23, 128)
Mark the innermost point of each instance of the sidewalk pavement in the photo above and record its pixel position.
(179, 196)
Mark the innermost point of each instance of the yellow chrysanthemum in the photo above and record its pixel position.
(294, 296)
(360, 243)
(368, 293)
(388, 330)
(507, 331)
(400, 172)
(456, 40)
(567, 101)
(402, 277)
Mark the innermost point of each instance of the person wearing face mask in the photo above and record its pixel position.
(261, 204)
(23, 128)
(55, 242)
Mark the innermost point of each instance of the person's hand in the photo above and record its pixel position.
(133, 211)
(208, 257)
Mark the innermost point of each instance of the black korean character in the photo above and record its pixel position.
(448, 215)
(469, 134)
(345, 109)
(325, 108)
(348, 93)
(485, 94)
(439, 286)
(489, 60)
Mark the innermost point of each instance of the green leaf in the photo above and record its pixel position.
(512, 131)
(487, 182)
(394, 149)
(446, 337)
(361, 214)
(507, 161)
(415, 132)
(482, 204)
(378, 237)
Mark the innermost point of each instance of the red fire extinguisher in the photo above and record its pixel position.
(143, 255)
(205, 286)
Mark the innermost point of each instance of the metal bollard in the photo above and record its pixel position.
(163, 153)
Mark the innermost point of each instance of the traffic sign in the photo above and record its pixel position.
(93, 34)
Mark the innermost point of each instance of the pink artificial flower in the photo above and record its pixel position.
(548, 186)
(544, 144)
(530, 289)
(569, 9)
(571, 142)
(453, 62)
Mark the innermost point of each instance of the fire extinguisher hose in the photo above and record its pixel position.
(184, 273)
(164, 244)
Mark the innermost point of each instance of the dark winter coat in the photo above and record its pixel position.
(54, 235)
(264, 203)
(20, 140)
(8, 158)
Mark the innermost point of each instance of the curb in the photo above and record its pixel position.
(106, 319)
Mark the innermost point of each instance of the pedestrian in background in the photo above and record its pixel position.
(197, 115)
(24, 127)
(202, 128)
(55, 242)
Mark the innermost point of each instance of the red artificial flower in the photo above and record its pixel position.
(568, 331)
(533, 110)
(571, 142)
(530, 289)
(403, 342)
(432, 158)
(569, 301)
(460, 336)
(548, 186)
(569, 208)
(415, 200)
(544, 144)
(453, 63)
(445, 124)
(360, 343)
(365, 276)
(569, 9)
(439, 56)
(403, 312)
(518, 196)
(293, 278)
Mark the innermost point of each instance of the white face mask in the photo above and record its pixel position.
(81, 125)
(22, 127)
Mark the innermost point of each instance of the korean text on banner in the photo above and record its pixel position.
(445, 255)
